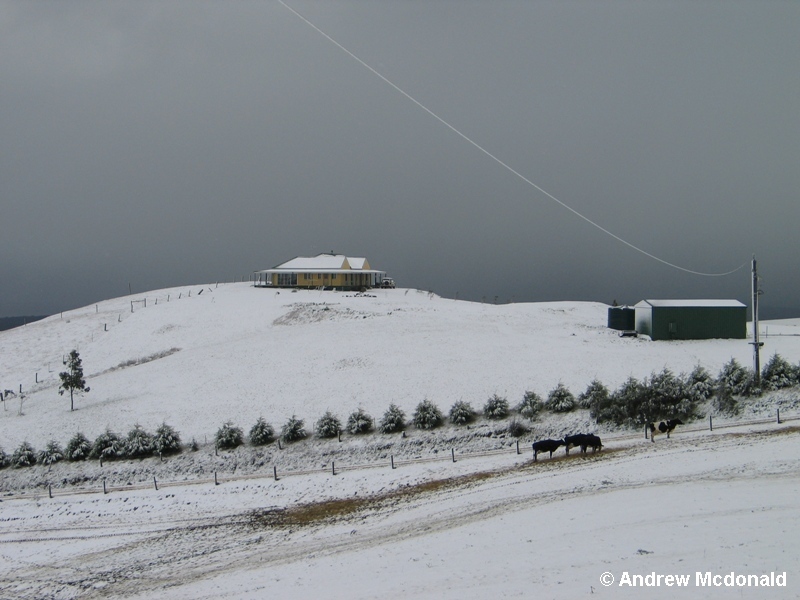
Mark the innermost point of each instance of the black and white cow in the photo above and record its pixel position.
(546, 446)
(663, 427)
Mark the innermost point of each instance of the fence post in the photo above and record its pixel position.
(215, 478)
(279, 444)
(710, 424)
(50, 490)
(275, 473)
(779, 416)
(453, 454)
(392, 460)
(645, 432)
(105, 491)
(339, 433)
(517, 446)
(155, 483)
(333, 467)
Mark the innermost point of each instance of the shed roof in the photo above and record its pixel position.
(690, 304)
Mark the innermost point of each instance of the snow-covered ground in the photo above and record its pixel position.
(491, 524)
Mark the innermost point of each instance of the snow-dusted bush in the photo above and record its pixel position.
(166, 440)
(624, 404)
(108, 446)
(496, 407)
(328, 425)
(699, 385)
(461, 413)
(595, 396)
(393, 420)
(736, 380)
(261, 433)
(293, 430)
(228, 436)
(78, 448)
(3, 458)
(427, 415)
(725, 402)
(24, 456)
(359, 422)
(778, 374)
(560, 399)
(531, 405)
(51, 454)
(194, 446)
(139, 443)
(517, 428)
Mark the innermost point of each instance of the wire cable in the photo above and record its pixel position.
(500, 162)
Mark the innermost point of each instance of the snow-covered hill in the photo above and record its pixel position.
(198, 356)
(491, 524)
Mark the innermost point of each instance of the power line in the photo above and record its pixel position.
(500, 162)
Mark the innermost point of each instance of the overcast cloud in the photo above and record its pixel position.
(167, 143)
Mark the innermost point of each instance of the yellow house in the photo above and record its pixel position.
(322, 271)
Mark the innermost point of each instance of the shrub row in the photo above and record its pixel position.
(661, 395)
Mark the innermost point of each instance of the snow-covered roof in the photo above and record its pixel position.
(689, 304)
(323, 263)
(319, 262)
(356, 262)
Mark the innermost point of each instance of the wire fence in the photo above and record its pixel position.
(516, 450)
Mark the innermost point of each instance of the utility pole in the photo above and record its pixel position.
(756, 344)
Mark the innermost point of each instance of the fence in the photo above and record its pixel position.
(392, 463)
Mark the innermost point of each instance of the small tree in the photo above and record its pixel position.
(328, 425)
(78, 448)
(560, 399)
(496, 407)
(51, 454)
(427, 415)
(359, 422)
(293, 430)
(778, 374)
(530, 406)
(166, 440)
(139, 443)
(107, 445)
(229, 436)
(3, 458)
(72, 379)
(461, 413)
(393, 420)
(261, 433)
(699, 384)
(24, 456)
(596, 394)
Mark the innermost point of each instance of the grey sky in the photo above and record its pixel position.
(171, 143)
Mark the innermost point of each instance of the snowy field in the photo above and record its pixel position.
(491, 524)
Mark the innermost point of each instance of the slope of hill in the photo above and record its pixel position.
(489, 524)
(198, 356)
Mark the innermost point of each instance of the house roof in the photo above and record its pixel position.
(319, 262)
(689, 304)
(323, 263)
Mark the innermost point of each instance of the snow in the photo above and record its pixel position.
(490, 524)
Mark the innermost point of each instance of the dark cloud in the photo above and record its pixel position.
(160, 144)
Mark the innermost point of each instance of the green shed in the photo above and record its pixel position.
(691, 319)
